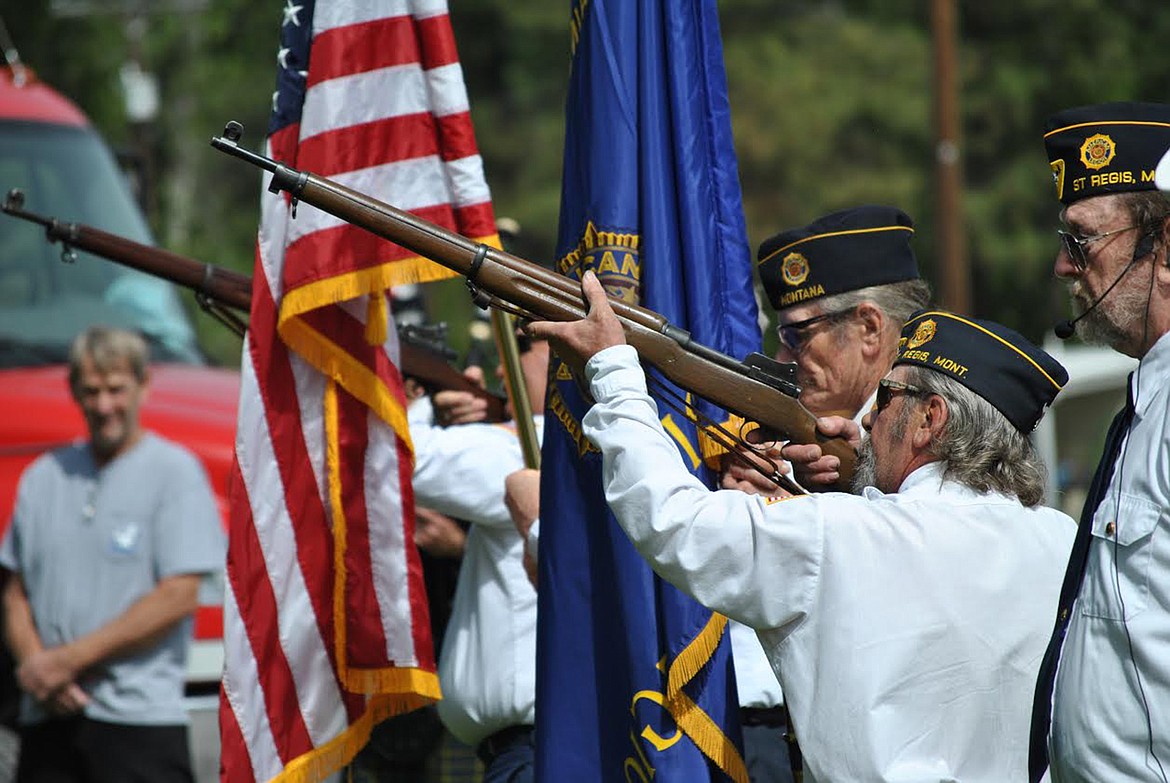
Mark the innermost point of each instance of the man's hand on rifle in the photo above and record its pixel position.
(461, 407)
(577, 341)
(814, 468)
(736, 475)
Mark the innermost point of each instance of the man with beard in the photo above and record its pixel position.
(842, 287)
(892, 618)
(1102, 703)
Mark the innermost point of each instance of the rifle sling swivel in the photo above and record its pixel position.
(290, 180)
(478, 296)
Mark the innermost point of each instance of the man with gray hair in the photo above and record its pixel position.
(892, 618)
(108, 544)
(842, 287)
(1102, 704)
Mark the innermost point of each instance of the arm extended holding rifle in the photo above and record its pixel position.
(748, 389)
(422, 357)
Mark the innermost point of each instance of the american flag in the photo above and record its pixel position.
(325, 620)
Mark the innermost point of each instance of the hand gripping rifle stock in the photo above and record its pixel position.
(746, 390)
(226, 288)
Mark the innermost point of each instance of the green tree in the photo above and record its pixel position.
(831, 107)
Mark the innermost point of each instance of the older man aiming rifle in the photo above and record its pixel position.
(892, 619)
(842, 286)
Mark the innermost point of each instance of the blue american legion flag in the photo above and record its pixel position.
(634, 679)
(326, 628)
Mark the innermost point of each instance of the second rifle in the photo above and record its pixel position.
(217, 288)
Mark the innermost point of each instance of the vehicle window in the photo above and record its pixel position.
(68, 173)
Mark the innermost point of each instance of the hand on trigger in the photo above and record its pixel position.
(810, 464)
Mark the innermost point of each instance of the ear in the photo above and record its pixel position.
(871, 323)
(1162, 258)
(935, 414)
(144, 385)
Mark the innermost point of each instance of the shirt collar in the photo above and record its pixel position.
(926, 479)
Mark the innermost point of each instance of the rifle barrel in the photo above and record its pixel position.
(700, 369)
(226, 287)
(222, 285)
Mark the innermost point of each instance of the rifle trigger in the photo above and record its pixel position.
(295, 201)
(68, 254)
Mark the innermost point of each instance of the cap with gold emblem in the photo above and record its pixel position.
(997, 363)
(843, 251)
(1106, 148)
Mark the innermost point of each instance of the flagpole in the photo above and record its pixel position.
(507, 349)
(504, 331)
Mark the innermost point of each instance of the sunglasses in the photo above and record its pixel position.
(793, 334)
(887, 388)
(1078, 247)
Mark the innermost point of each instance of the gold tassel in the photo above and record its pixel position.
(377, 318)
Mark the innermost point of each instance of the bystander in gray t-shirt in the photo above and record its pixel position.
(88, 543)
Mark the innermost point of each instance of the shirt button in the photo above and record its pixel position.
(1110, 528)
(1063, 615)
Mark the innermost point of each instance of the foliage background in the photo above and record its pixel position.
(831, 104)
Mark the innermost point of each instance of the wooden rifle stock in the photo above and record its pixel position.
(229, 288)
(690, 365)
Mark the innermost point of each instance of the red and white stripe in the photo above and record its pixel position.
(325, 620)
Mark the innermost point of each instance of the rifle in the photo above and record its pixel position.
(755, 389)
(213, 286)
(427, 357)
(217, 289)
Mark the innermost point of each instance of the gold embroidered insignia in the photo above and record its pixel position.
(923, 334)
(1097, 151)
(614, 258)
(794, 268)
(1058, 177)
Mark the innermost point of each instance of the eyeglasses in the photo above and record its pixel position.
(1078, 247)
(792, 335)
(886, 389)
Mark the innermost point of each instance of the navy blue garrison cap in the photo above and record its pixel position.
(1000, 365)
(843, 251)
(1106, 148)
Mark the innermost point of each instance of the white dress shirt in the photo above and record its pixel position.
(754, 678)
(487, 667)
(906, 629)
(1100, 724)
